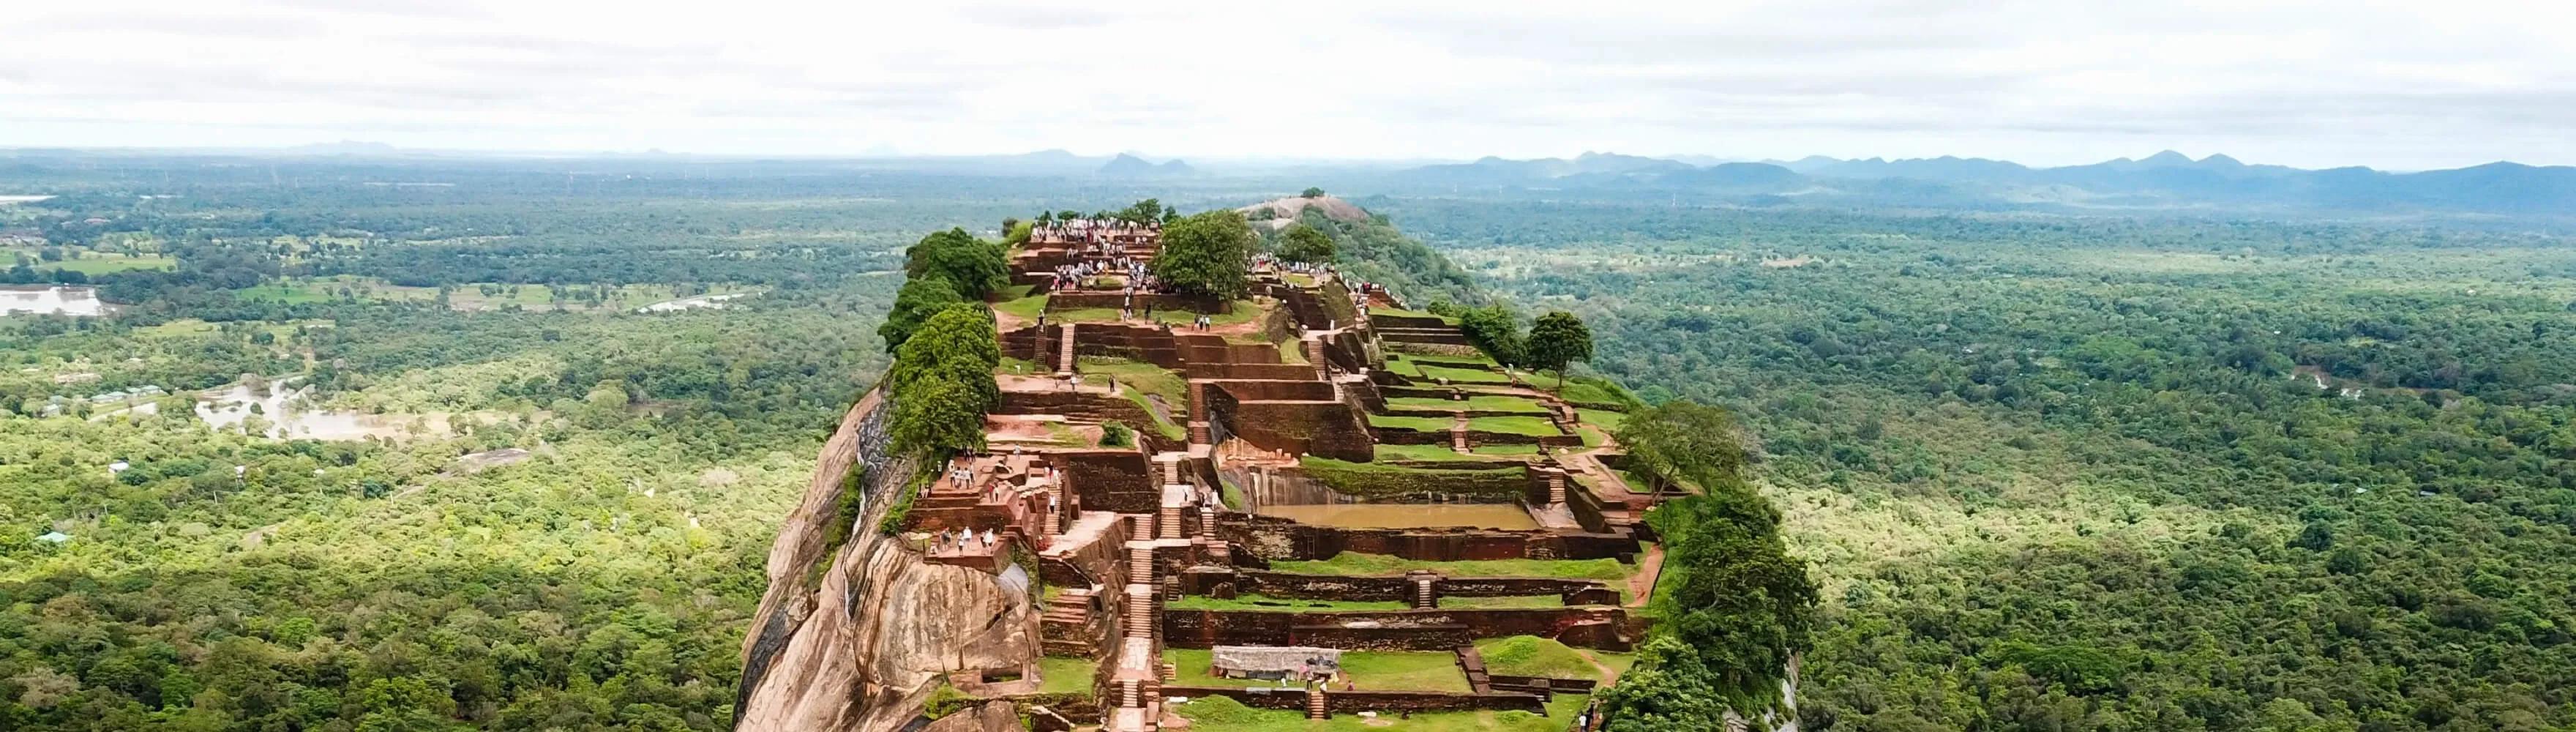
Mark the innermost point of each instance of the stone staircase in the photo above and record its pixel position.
(1458, 432)
(1065, 625)
(1316, 707)
(1170, 521)
(1423, 597)
(1064, 353)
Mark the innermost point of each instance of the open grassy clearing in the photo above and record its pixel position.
(1503, 603)
(1481, 403)
(1243, 311)
(1371, 670)
(1442, 452)
(1281, 604)
(1059, 675)
(1220, 714)
(1400, 312)
(1018, 302)
(1355, 564)
(1529, 655)
(96, 263)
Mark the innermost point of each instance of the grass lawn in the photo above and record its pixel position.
(1592, 435)
(1419, 452)
(1481, 403)
(1529, 655)
(1424, 424)
(1442, 452)
(1058, 675)
(1242, 312)
(1533, 426)
(1461, 375)
(1582, 390)
(1607, 420)
(1137, 379)
(1355, 564)
(1372, 670)
(1220, 714)
(1020, 303)
(1495, 603)
(1136, 375)
(1402, 313)
(94, 263)
(1282, 604)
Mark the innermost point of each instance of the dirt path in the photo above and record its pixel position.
(1609, 675)
(1641, 584)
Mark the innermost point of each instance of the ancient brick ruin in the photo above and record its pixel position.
(1316, 418)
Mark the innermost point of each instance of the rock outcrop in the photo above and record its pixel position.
(859, 645)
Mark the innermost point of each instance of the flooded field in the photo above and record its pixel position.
(686, 303)
(289, 415)
(54, 300)
(1407, 515)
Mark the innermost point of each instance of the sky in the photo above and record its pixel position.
(2397, 85)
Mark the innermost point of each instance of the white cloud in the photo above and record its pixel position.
(2307, 83)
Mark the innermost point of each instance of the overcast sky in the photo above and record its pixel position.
(2315, 84)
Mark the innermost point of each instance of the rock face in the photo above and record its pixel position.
(859, 645)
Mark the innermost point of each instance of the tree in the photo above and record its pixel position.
(938, 417)
(1143, 211)
(975, 266)
(1312, 192)
(955, 344)
(1302, 243)
(942, 381)
(920, 298)
(1736, 606)
(1205, 254)
(1558, 340)
(1687, 441)
(1494, 329)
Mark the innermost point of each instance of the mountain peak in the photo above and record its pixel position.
(1132, 166)
(2167, 157)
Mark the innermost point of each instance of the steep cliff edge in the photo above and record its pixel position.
(823, 655)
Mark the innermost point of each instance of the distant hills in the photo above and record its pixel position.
(2166, 178)
(1130, 166)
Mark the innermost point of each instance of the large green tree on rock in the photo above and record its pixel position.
(942, 381)
(975, 266)
(1205, 254)
(1735, 606)
(920, 298)
(1302, 243)
(1558, 340)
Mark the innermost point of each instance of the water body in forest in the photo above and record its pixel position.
(290, 415)
(1407, 515)
(54, 300)
(687, 303)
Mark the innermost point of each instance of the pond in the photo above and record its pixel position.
(290, 415)
(686, 303)
(1406, 515)
(53, 300)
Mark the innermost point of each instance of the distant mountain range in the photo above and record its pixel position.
(2164, 179)
(1130, 166)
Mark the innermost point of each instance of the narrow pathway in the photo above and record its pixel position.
(1641, 584)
